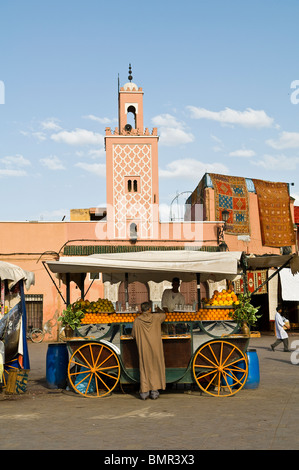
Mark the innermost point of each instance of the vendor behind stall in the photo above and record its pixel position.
(147, 332)
(172, 297)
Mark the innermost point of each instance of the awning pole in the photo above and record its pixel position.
(198, 290)
(90, 286)
(46, 268)
(272, 275)
(68, 296)
(127, 290)
(82, 279)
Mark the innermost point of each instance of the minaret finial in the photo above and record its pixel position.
(130, 77)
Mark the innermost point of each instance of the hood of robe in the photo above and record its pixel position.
(146, 319)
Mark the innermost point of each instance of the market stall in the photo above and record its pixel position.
(13, 344)
(281, 283)
(202, 343)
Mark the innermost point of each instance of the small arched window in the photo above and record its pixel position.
(133, 232)
(132, 184)
(131, 116)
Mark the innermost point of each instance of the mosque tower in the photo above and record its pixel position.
(131, 169)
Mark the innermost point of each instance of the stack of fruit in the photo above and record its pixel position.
(93, 318)
(100, 305)
(221, 299)
(211, 314)
(181, 316)
(204, 314)
(102, 311)
(94, 309)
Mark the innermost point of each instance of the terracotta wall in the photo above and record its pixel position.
(27, 244)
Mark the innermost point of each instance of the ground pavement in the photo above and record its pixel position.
(266, 418)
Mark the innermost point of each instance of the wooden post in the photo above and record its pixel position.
(68, 294)
(126, 291)
(198, 290)
(82, 279)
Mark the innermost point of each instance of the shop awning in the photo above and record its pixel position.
(287, 266)
(274, 261)
(151, 266)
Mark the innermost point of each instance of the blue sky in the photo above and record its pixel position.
(217, 79)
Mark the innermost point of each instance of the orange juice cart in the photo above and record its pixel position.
(202, 345)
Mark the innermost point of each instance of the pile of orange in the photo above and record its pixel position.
(181, 316)
(93, 318)
(207, 314)
(96, 306)
(221, 299)
(204, 314)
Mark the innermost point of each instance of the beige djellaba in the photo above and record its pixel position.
(147, 332)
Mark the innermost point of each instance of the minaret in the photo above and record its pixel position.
(131, 106)
(131, 169)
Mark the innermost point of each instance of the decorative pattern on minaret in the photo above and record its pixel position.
(132, 160)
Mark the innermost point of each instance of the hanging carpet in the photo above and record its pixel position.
(275, 215)
(254, 280)
(231, 194)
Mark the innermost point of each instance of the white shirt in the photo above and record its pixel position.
(170, 299)
(279, 323)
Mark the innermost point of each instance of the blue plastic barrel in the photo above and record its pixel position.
(56, 365)
(253, 378)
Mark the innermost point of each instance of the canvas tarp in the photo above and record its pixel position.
(13, 274)
(151, 266)
(13, 325)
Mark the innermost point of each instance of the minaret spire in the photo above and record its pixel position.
(130, 77)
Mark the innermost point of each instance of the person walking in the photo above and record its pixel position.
(281, 324)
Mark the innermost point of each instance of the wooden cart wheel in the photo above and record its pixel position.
(220, 368)
(94, 370)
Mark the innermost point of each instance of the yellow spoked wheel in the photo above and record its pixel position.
(94, 370)
(220, 368)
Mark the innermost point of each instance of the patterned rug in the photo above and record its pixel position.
(231, 194)
(275, 214)
(254, 280)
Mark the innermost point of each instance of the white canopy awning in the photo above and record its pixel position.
(151, 265)
(289, 285)
(14, 274)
